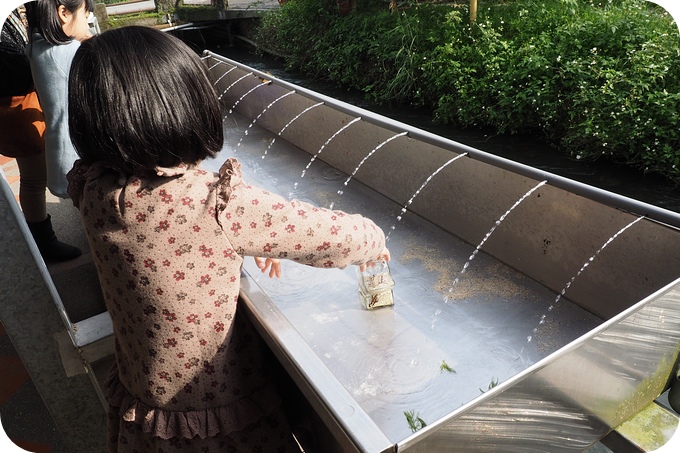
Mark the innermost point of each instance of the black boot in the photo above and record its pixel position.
(50, 247)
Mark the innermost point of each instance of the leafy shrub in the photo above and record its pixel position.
(596, 77)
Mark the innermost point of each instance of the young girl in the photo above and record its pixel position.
(21, 136)
(169, 239)
(56, 29)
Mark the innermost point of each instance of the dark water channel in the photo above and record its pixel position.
(525, 149)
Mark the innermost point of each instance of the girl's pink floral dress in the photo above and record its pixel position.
(168, 248)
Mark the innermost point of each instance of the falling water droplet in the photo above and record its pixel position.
(478, 248)
(291, 122)
(401, 134)
(408, 203)
(585, 265)
(221, 77)
(329, 139)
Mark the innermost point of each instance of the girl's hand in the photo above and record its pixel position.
(384, 255)
(272, 264)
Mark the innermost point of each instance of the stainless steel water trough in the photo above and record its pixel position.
(562, 326)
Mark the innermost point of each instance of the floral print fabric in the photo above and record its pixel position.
(168, 248)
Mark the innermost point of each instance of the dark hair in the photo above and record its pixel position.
(140, 98)
(42, 17)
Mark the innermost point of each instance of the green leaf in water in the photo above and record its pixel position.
(414, 421)
(492, 384)
(445, 367)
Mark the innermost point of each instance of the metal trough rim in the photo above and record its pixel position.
(631, 205)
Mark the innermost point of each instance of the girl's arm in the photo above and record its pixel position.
(262, 224)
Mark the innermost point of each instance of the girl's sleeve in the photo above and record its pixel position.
(76, 181)
(260, 223)
(78, 176)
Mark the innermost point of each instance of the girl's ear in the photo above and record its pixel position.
(64, 14)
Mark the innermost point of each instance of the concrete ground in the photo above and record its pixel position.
(25, 419)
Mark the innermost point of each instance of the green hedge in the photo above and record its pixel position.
(596, 78)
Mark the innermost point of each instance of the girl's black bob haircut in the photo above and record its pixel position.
(42, 17)
(139, 99)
